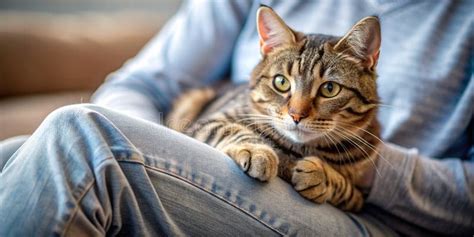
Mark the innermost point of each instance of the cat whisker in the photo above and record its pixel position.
(382, 105)
(363, 130)
(260, 121)
(255, 115)
(252, 121)
(256, 118)
(351, 134)
(334, 143)
(346, 152)
(319, 127)
(354, 135)
(265, 131)
(366, 143)
(351, 142)
(358, 146)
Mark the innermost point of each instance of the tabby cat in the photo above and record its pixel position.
(308, 116)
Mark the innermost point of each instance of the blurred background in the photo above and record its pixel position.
(57, 52)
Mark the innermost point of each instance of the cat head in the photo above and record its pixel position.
(312, 85)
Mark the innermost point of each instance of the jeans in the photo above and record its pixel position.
(91, 171)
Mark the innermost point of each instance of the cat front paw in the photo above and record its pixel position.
(309, 179)
(257, 160)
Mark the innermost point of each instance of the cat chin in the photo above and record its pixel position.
(295, 133)
(299, 136)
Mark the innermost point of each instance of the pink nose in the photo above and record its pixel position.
(299, 108)
(297, 117)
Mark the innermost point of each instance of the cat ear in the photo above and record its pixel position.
(272, 30)
(362, 42)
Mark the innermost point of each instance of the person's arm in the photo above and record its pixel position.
(437, 195)
(193, 49)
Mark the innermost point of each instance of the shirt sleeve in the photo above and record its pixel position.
(193, 49)
(437, 195)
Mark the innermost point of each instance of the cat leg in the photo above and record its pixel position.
(316, 180)
(250, 152)
(257, 160)
(243, 145)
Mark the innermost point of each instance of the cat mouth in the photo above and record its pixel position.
(301, 131)
(300, 134)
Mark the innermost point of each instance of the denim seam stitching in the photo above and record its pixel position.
(86, 190)
(74, 211)
(218, 196)
(206, 191)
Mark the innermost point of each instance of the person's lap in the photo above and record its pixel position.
(9, 146)
(92, 170)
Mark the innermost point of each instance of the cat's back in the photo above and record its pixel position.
(199, 105)
(228, 98)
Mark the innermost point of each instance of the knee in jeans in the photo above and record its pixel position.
(69, 112)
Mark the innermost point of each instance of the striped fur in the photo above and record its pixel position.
(324, 155)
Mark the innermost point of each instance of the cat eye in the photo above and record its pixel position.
(281, 84)
(330, 89)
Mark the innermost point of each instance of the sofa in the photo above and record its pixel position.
(48, 60)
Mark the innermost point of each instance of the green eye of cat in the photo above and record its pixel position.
(281, 84)
(330, 89)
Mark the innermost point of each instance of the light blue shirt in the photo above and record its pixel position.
(425, 80)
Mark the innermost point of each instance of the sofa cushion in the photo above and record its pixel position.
(44, 52)
(23, 114)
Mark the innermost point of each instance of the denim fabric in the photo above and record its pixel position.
(90, 171)
(10, 146)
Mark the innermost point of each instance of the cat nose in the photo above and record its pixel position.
(299, 108)
(297, 117)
